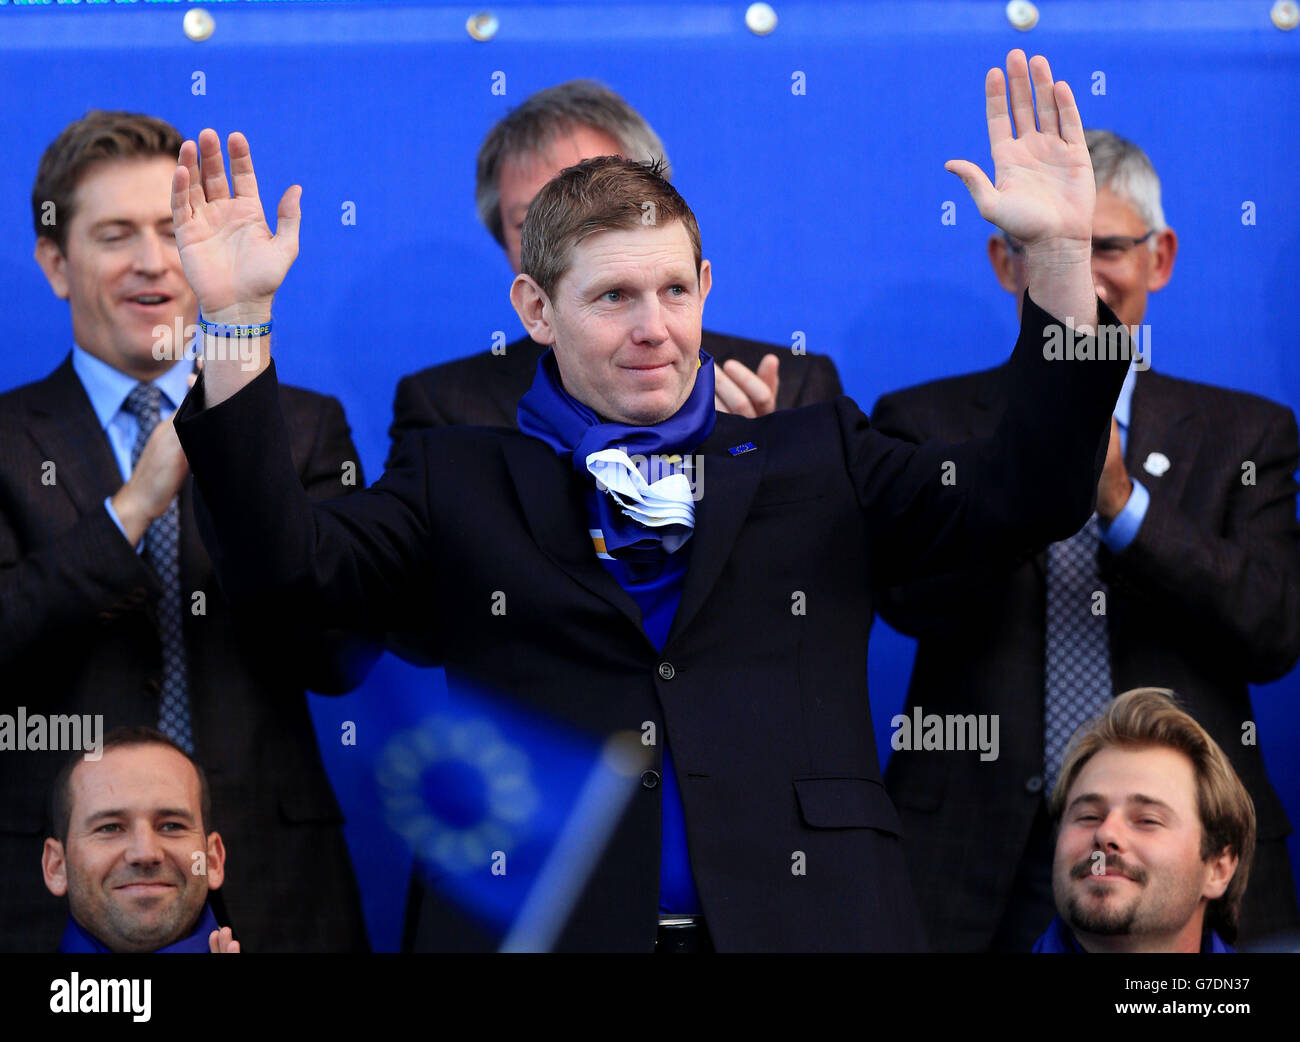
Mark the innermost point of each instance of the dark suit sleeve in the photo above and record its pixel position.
(354, 563)
(938, 507)
(936, 605)
(1241, 587)
(822, 383)
(334, 662)
(413, 409)
(87, 576)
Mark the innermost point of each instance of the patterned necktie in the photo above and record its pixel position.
(1077, 677)
(162, 548)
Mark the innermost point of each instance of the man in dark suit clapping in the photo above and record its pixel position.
(109, 606)
(1188, 577)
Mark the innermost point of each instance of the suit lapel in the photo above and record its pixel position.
(553, 504)
(1162, 437)
(65, 427)
(552, 499)
(727, 485)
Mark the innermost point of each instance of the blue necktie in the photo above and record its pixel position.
(1077, 677)
(162, 548)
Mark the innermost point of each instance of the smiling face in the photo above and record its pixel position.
(121, 247)
(624, 321)
(128, 865)
(523, 176)
(1137, 807)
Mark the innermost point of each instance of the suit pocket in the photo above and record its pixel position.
(845, 803)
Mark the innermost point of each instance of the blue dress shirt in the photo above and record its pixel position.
(1123, 529)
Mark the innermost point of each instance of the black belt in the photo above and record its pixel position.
(682, 933)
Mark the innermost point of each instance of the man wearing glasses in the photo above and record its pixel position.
(1187, 577)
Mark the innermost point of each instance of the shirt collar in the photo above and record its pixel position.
(107, 387)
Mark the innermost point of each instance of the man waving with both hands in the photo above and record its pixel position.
(733, 622)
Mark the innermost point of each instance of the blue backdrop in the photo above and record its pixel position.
(820, 211)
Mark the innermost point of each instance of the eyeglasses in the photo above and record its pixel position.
(1111, 248)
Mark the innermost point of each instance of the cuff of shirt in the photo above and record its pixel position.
(1117, 534)
(108, 505)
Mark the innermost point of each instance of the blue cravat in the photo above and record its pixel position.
(1077, 678)
(162, 548)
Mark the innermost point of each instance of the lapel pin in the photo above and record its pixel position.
(740, 450)
(1157, 463)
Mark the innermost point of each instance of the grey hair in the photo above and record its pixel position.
(1121, 166)
(547, 115)
(1126, 170)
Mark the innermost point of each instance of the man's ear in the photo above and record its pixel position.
(54, 867)
(1162, 265)
(1004, 263)
(533, 308)
(54, 264)
(1221, 867)
(216, 861)
(706, 281)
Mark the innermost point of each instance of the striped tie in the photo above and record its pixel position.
(1077, 677)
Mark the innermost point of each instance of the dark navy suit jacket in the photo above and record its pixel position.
(761, 684)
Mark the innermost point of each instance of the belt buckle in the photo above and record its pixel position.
(679, 933)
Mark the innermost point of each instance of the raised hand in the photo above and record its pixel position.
(231, 260)
(1043, 190)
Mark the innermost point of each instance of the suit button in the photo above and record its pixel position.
(153, 686)
(666, 670)
(649, 779)
(1034, 783)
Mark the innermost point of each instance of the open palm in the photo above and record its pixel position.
(230, 257)
(1044, 186)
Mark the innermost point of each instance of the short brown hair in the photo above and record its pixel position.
(607, 193)
(60, 808)
(97, 137)
(1148, 716)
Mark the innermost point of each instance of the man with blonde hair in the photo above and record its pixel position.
(629, 610)
(1155, 835)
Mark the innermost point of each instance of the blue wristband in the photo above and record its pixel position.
(220, 329)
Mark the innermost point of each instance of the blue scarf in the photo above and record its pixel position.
(632, 552)
(548, 412)
(79, 941)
